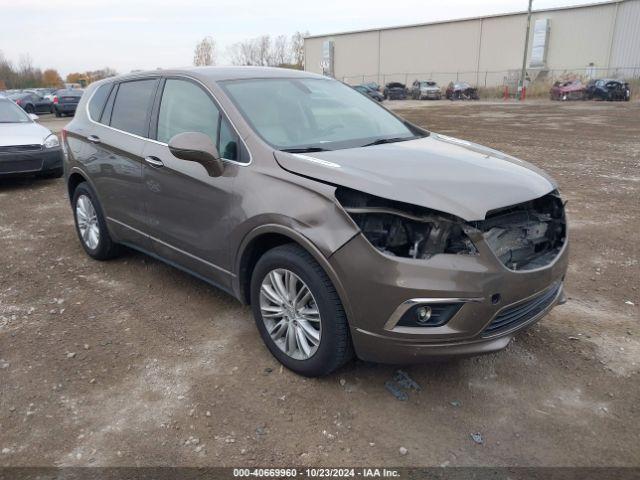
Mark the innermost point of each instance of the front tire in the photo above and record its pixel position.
(299, 313)
(90, 224)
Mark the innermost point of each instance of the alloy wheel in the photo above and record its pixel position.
(290, 314)
(87, 219)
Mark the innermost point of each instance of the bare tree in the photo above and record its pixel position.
(297, 48)
(28, 76)
(265, 51)
(240, 53)
(280, 51)
(205, 52)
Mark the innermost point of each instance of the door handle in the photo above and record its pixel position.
(154, 161)
(93, 139)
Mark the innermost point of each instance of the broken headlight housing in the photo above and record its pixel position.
(403, 230)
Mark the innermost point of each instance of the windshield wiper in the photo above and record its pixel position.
(382, 141)
(305, 150)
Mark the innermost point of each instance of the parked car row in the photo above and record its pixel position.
(609, 89)
(46, 100)
(420, 90)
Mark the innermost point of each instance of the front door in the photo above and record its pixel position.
(188, 211)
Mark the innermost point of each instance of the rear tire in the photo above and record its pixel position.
(334, 347)
(97, 242)
(29, 109)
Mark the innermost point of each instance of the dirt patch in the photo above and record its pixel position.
(131, 362)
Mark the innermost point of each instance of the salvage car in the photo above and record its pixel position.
(571, 90)
(369, 92)
(372, 86)
(428, 89)
(608, 89)
(395, 91)
(26, 148)
(461, 91)
(345, 227)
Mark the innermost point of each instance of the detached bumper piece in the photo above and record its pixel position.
(516, 315)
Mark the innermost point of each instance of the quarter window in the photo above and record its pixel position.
(228, 148)
(132, 105)
(96, 104)
(185, 107)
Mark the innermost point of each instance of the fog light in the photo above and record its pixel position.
(424, 314)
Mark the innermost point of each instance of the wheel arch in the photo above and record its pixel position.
(73, 181)
(266, 237)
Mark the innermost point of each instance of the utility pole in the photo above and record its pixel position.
(523, 74)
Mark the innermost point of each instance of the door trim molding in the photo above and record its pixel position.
(179, 250)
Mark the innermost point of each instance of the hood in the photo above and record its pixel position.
(430, 89)
(22, 134)
(438, 172)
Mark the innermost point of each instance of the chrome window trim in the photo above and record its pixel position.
(218, 105)
(179, 250)
(407, 304)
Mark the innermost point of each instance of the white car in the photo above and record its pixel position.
(26, 147)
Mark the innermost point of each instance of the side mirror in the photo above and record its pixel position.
(33, 116)
(197, 147)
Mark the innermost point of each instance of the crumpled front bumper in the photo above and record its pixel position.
(375, 285)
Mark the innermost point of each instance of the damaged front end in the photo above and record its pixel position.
(403, 230)
(528, 235)
(524, 236)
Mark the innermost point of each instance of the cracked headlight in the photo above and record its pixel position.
(51, 142)
(405, 230)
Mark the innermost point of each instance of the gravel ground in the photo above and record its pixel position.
(131, 362)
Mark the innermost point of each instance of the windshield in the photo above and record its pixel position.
(11, 113)
(320, 114)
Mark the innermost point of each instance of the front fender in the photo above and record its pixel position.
(300, 239)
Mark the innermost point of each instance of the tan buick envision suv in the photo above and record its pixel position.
(346, 228)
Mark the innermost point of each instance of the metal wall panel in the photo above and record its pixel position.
(625, 48)
(483, 50)
(578, 36)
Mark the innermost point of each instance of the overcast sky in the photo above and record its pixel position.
(80, 35)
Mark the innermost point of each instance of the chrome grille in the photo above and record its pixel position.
(20, 148)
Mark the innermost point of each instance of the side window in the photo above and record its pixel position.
(132, 105)
(185, 107)
(96, 104)
(108, 108)
(228, 146)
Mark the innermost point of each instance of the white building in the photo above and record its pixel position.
(601, 39)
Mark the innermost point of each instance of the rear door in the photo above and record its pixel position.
(118, 140)
(189, 210)
(41, 105)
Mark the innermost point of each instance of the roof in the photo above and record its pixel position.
(223, 73)
(465, 19)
